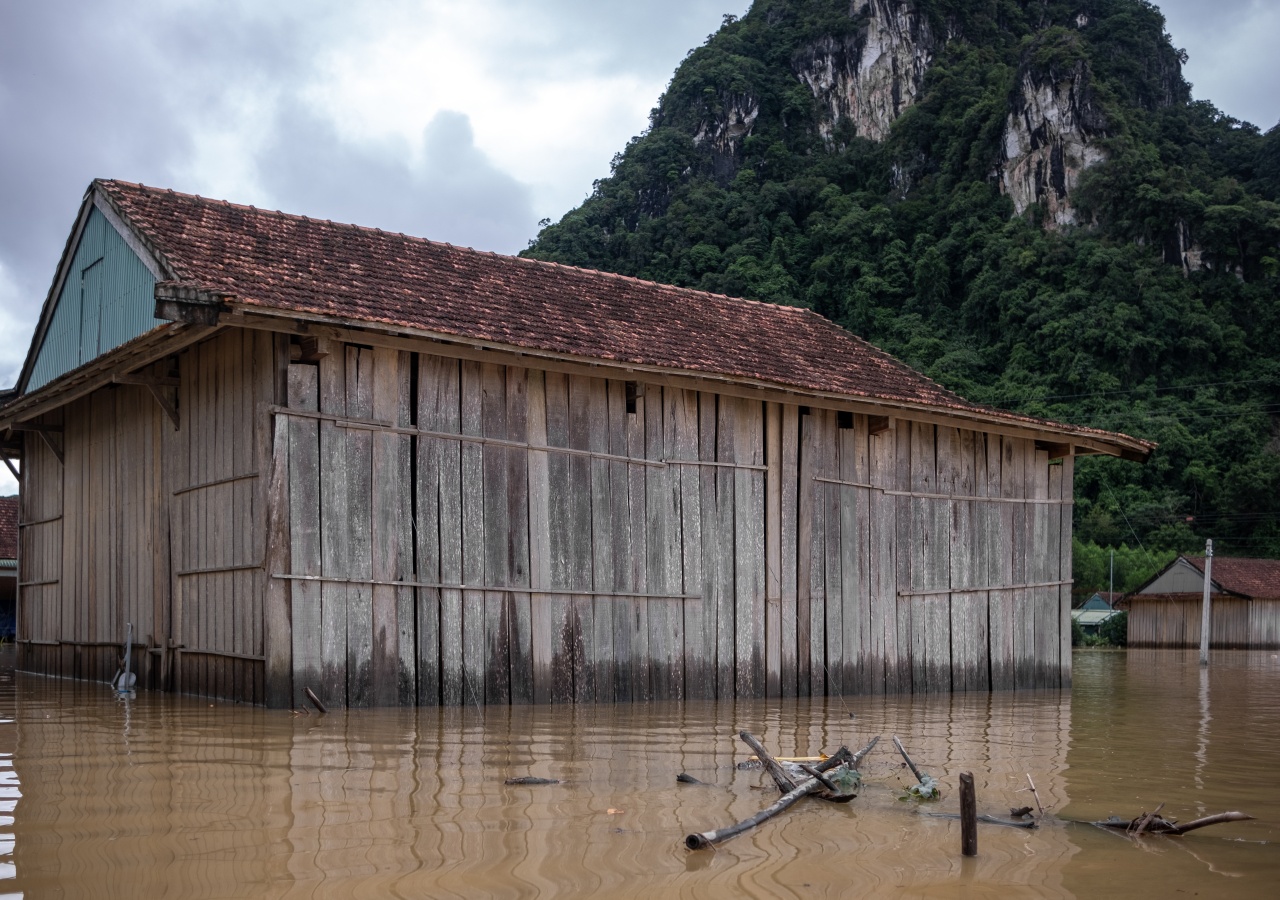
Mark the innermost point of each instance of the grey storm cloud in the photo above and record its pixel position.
(452, 193)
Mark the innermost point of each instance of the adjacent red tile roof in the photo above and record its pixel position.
(1256, 578)
(292, 263)
(8, 527)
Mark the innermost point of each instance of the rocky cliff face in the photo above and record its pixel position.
(1050, 138)
(869, 78)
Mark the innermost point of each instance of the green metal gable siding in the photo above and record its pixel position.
(107, 298)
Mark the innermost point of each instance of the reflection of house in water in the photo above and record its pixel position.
(1096, 610)
(8, 564)
(1245, 601)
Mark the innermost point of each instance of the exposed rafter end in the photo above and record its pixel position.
(188, 305)
(878, 424)
(1055, 450)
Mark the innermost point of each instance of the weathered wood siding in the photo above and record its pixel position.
(385, 526)
(566, 538)
(1235, 623)
(146, 524)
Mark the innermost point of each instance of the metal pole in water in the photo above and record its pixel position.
(1204, 606)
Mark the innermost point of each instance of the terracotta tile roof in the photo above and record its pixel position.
(8, 527)
(287, 262)
(1256, 578)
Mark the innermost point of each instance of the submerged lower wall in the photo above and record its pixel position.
(464, 532)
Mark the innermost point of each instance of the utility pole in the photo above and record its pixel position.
(1204, 606)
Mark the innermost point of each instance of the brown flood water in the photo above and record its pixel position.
(167, 796)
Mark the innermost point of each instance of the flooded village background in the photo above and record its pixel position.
(177, 796)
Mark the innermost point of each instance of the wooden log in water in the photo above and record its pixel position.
(707, 839)
(903, 750)
(1154, 823)
(771, 765)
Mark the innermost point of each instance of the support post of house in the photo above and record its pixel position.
(1204, 606)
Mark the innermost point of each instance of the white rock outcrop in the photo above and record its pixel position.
(1050, 138)
(871, 77)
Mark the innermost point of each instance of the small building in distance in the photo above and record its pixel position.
(1094, 611)
(8, 565)
(296, 454)
(1244, 601)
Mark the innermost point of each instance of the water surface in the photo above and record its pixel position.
(164, 796)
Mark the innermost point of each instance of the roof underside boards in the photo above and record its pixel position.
(290, 265)
(107, 297)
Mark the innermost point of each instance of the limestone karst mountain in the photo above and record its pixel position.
(1019, 197)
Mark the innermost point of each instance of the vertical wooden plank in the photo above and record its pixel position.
(716, 574)
(789, 541)
(975, 448)
(277, 638)
(804, 551)
(1052, 624)
(543, 637)
(666, 671)
(304, 519)
(834, 499)
(623, 611)
(440, 530)
(1014, 475)
(1043, 554)
(968, 640)
(1000, 603)
(602, 544)
(1067, 495)
(560, 528)
(748, 550)
(853, 552)
(520, 610)
(406, 568)
(883, 572)
(773, 550)
(585, 654)
(698, 671)
(497, 529)
(359, 450)
(473, 537)
(820, 453)
(641, 688)
(334, 528)
(910, 661)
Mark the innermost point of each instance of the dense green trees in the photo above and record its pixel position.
(909, 242)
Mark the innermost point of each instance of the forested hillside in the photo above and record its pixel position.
(1018, 198)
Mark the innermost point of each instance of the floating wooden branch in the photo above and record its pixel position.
(842, 758)
(1154, 823)
(927, 788)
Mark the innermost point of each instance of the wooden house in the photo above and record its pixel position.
(8, 565)
(1244, 601)
(297, 454)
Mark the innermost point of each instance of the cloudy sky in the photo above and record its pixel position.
(461, 120)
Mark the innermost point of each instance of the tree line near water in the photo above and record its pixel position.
(909, 243)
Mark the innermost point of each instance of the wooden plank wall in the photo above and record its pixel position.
(542, 537)
(455, 532)
(1235, 622)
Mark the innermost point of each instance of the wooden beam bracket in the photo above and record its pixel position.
(154, 385)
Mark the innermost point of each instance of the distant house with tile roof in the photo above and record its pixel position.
(8, 564)
(1244, 602)
(298, 454)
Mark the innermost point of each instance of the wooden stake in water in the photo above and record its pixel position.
(968, 816)
(1204, 606)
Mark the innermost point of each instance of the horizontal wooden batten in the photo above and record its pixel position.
(413, 340)
(919, 495)
(191, 651)
(389, 428)
(215, 483)
(38, 583)
(35, 522)
(937, 592)
(490, 588)
(217, 570)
